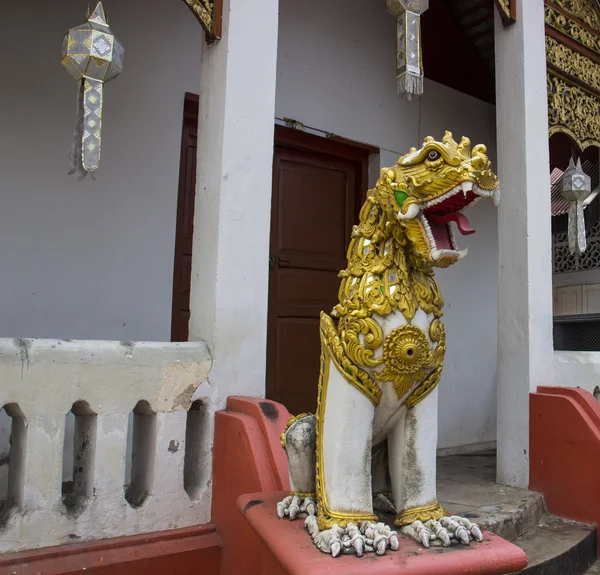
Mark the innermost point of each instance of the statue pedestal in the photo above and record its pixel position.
(288, 549)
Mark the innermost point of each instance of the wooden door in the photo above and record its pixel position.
(318, 186)
(182, 269)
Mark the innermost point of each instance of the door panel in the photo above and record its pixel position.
(315, 204)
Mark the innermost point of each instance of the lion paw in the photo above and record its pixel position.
(445, 531)
(384, 504)
(353, 539)
(296, 506)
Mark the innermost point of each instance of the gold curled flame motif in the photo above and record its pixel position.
(391, 260)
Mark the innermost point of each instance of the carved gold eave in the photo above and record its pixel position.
(508, 10)
(210, 14)
(573, 70)
(573, 111)
(572, 29)
(587, 12)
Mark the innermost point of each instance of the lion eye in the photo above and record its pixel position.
(433, 155)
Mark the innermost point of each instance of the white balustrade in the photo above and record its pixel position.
(132, 456)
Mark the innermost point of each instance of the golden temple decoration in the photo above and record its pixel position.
(508, 10)
(209, 13)
(585, 10)
(573, 111)
(573, 69)
(424, 514)
(359, 378)
(574, 30)
(573, 63)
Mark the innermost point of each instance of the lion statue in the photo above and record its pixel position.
(371, 446)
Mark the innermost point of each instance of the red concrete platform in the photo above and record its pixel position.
(292, 551)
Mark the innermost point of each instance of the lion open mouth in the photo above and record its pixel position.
(437, 215)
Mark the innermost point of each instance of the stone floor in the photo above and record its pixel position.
(554, 546)
(595, 570)
(467, 486)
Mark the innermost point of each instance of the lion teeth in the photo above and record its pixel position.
(437, 254)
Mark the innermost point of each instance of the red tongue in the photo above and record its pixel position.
(464, 226)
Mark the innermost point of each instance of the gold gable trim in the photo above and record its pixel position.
(209, 14)
(572, 29)
(585, 10)
(508, 10)
(573, 111)
(573, 64)
(573, 70)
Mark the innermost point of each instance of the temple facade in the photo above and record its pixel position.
(238, 144)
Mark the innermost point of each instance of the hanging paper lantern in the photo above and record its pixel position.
(93, 56)
(576, 187)
(409, 59)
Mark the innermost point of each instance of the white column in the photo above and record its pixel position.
(233, 196)
(525, 348)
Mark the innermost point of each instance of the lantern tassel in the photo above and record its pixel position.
(410, 84)
(91, 143)
(577, 239)
(75, 155)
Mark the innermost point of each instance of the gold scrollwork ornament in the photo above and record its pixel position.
(573, 111)
(585, 10)
(573, 63)
(572, 29)
(208, 13)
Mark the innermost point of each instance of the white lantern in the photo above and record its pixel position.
(409, 59)
(576, 187)
(93, 56)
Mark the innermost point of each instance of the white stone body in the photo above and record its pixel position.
(353, 427)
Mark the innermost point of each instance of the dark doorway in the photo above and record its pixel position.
(182, 268)
(318, 186)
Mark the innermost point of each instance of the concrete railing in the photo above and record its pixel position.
(101, 439)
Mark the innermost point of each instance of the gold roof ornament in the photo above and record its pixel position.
(576, 187)
(573, 69)
(508, 11)
(409, 58)
(93, 56)
(210, 15)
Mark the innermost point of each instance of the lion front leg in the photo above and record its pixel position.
(413, 446)
(345, 521)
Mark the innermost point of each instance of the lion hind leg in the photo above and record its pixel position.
(299, 442)
(422, 517)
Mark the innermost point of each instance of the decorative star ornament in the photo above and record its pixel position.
(93, 56)
(576, 187)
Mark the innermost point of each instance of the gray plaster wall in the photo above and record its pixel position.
(92, 259)
(336, 73)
